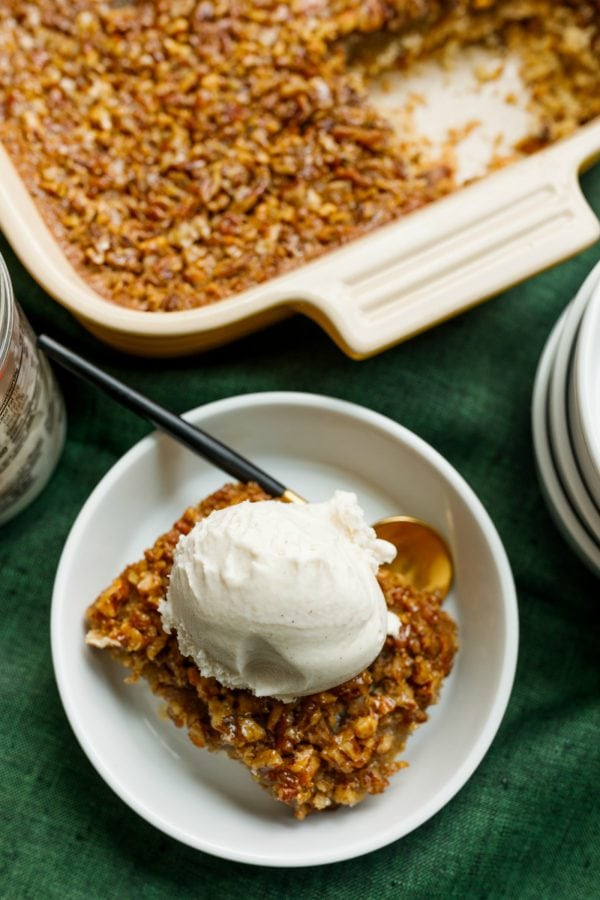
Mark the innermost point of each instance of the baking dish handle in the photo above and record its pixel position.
(453, 254)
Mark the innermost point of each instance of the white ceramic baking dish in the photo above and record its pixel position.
(370, 294)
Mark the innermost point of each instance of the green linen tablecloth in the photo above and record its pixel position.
(527, 824)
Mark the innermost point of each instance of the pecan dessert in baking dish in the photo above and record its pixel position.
(320, 750)
(183, 151)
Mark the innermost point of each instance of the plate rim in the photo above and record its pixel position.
(558, 418)
(496, 711)
(563, 514)
(581, 372)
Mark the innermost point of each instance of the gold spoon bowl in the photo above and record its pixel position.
(423, 559)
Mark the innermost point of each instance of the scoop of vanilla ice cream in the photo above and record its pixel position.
(280, 598)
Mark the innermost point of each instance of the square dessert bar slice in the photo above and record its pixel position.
(317, 752)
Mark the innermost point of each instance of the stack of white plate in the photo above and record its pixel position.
(566, 422)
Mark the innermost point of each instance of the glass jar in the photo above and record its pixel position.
(32, 415)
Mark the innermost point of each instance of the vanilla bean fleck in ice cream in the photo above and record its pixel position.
(278, 598)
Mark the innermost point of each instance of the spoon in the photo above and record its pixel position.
(422, 560)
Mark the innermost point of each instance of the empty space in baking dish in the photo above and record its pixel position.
(471, 113)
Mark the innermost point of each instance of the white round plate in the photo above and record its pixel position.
(314, 444)
(557, 501)
(560, 433)
(584, 392)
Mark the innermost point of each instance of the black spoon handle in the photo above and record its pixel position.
(194, 438)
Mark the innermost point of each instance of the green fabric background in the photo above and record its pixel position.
(527, 824)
